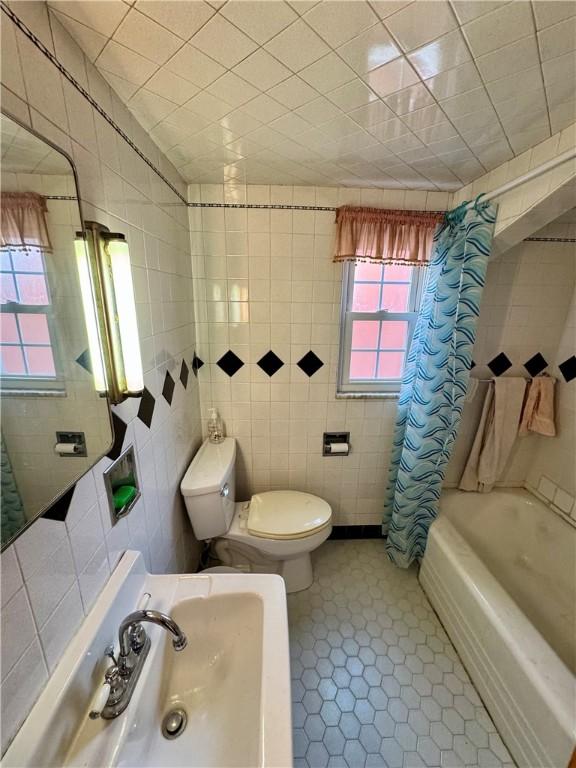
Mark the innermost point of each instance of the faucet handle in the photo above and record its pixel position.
(99, 701)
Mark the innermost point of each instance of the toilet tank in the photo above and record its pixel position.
(208, 488)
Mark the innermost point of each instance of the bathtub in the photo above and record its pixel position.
(500, 571)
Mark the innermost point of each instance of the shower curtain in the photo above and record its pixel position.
(12, 517)
(436, 377)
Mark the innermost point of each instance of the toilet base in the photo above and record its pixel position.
(296, 571)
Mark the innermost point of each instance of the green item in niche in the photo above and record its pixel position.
(124, 495)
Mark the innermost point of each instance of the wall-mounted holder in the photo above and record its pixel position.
(336, 444)
(70, 444)
(122, 485)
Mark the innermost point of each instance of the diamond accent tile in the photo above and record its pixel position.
(310, 363)
(536, 364)
(197, 363)
(499, 364)
(84, 361)
(230, 363)
(270, 363)
(568, 368)
(420, 710)
(168, 388)
(119, 427)
(184, 373)
(146, 409)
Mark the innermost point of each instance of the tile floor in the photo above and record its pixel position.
(376, 682)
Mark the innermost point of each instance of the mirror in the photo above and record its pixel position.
(55, 426)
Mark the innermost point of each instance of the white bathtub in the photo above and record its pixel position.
(500, 570)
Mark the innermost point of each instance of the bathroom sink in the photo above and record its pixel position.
(229, 689)
(216, 681)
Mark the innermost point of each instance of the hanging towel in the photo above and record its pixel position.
(496, 434)
(538, 411)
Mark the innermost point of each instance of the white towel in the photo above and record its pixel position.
(497, 431)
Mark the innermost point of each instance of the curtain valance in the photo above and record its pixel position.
(385, 235)
(23, 221)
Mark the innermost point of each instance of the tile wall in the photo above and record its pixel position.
(525, 311)
(265, 281)
(54, 572)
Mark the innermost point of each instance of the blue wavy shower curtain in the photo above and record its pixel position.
(435, 378)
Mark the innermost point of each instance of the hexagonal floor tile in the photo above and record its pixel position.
(375, 680)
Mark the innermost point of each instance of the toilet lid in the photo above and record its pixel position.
(287, 514)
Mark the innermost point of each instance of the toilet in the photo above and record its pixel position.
(274, 532)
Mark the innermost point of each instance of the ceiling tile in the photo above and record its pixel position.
(557, 40)
(512, 58)
(327, 73)
(468, 10)
(171, 86)
(223, 42)
(297, 46)
(337, 22)
(445, 53)
(385, 8)
(259, 19)
(435, 132)
(88, 39)
(193, 65)
(454, 81)
(262, 70)
(419, 23)
(423, 118)
(127, 64)
(391, 77)
(150, 108)
(465, 103)
(225, 109)
(499, 28)
(208, 106)
(182, 18)
(290, 124)
(293, 92)
(352, 95)
(123, 88)
(146, 37)
(372, 114)
(409, 99)
(91, 14)
(233, 89)
(388, 130)
(264, 108)
(318, 111)
(369, 50)
(548, 12)
(509, 87)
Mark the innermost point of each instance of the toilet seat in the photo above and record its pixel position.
(287, 515)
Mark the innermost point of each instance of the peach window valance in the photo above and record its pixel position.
(23, 221)
(385, 235)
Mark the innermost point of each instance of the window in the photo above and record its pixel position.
(380, 306)
(27, 359)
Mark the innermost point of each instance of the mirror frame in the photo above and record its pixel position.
(42, 511)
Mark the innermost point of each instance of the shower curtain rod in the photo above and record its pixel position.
(570, 154)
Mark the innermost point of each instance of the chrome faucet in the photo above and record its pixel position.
(122, 676)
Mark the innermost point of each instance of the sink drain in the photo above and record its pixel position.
(174, 724)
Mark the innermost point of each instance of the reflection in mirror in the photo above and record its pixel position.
(55, 426)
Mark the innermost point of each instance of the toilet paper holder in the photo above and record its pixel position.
(340, 441)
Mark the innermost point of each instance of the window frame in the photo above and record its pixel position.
(371, 387)
(30, 384)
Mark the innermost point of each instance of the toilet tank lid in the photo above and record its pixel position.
(209, 468)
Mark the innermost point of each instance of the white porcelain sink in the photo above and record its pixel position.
(232, 680)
